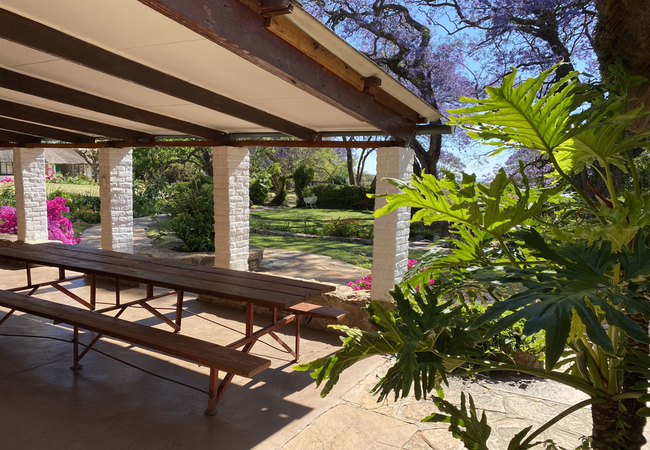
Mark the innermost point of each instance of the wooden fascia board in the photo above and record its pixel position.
(35, 35)
(243, 31)
(40, 130)
(51, 91)
(282, 27)
(42, 116)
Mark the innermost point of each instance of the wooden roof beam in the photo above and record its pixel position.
(51, 91)
(240, 29)
(42, 116)
(27, 32)
(46, 132)
(18, 138)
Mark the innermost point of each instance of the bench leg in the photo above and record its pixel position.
(75, 350)
(213, 398)
(298, 320)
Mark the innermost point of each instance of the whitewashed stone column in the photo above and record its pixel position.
(391, 232)
(231, 203)
(116, 194)
(31, 197)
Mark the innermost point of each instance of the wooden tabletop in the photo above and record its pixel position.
(260, 289)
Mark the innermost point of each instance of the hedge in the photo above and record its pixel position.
(343, 196)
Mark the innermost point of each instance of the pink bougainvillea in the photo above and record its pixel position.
(59, 227)
(365, 282)
(7, 180)
(8, 220)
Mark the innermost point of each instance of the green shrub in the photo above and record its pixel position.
(191, 206)
(259, 190)
(346, 228)
(83, 207)
(302, 178)
(343, 196)
(149, 197)
(7, 195)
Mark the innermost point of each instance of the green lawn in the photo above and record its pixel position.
(357, 254)
(73, 189)
(304, 220)
(79, 227)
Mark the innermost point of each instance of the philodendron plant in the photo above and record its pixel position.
(570, 264)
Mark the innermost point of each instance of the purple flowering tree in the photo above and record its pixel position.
(444, 49)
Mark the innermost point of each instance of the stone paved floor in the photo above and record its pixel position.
(109, 405)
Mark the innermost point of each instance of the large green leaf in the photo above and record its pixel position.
(424, 324)
(576, 278)
(518, 116)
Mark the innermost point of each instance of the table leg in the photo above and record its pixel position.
(179, 308)
(149, 290)
(250, 310)
(298, 319)
(75, 349)
(117, 292)
(61, 274)
(93, 291)
(29, 274)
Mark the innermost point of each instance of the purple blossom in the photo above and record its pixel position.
(59, 227)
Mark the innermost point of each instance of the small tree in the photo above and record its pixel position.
(302, 178)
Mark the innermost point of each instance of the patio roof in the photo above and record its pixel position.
(134, 70)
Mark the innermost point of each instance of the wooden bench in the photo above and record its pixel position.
(216, 357)
(313, 312)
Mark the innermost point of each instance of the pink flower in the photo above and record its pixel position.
(7, 180)
(59, 227)
(364, 283)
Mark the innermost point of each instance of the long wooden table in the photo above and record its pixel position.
(252, 289)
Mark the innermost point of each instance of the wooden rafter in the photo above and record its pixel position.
(42, 116)
(51, 91)
(240, 29)
(18, 137)
(35, 35)
(46, 132)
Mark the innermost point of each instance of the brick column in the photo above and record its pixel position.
(31, 206)
(116, 194)
(391, 232)
(231, 203)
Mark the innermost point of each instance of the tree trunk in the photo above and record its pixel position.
(350, 166)
(605, 418)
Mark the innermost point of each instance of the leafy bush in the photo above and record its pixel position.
(81, 207)
(346, 228)
(343, 196)
(149, 197)
(259, 190)
(7, 193)
(302, 177)
(71, 179)
(191, 206)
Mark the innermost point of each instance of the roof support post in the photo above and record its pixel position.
(31, 197)
(391, 232)
(116, 195)
(231, 203)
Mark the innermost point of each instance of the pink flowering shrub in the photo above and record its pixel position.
(7, 180)
(365, 282)
(59, 227)
(49, 173)
(8, 220)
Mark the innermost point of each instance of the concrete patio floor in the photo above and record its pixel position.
(111, 405)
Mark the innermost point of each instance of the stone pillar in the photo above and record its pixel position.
(116, 195)
(231, 204)
(31, 197)
(391, 232)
